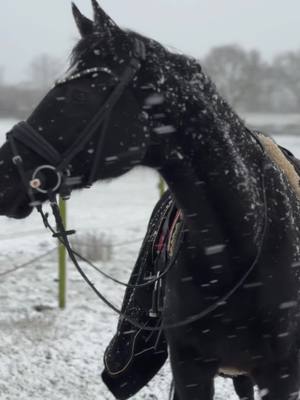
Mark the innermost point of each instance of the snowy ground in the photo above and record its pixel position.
(58, 354)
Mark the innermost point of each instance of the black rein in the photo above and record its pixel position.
(59, 163)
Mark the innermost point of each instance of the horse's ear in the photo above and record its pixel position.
(85, 25)
(102, 22)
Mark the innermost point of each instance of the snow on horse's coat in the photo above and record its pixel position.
(277, 156)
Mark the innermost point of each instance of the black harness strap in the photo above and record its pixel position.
(63, 238)
(103, 114)
(34, 141)
(18, 162)
(98, 152)
(25, 134)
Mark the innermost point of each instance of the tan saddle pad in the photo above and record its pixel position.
(286, 162)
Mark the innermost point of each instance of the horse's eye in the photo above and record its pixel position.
(78, 96)
(107, 81)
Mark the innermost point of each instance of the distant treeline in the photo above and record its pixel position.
(251, 84)
(17, 101)
(243, 77)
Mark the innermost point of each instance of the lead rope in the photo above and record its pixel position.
(172, 390)
(62, 235)
(45, 218)
(221, 302)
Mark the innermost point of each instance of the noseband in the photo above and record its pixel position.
(57, 164)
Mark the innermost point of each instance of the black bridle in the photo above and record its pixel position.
(58, 164)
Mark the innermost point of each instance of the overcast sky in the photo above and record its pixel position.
(30, 27)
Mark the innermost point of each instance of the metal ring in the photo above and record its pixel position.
(51, 168)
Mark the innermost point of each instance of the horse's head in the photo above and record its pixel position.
(91, 125)
(111, 112)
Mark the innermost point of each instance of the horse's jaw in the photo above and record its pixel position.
(15, 206)
(20, 212)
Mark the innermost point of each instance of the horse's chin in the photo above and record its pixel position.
(20, 211)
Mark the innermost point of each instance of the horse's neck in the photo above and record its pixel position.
(226, 163)
(191, 196)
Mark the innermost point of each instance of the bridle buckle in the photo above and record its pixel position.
(36, 182)
(17, 160)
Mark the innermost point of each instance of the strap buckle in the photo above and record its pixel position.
(17, 160)
(37, 184)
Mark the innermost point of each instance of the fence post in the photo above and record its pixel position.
(161, 186)
(62, 260)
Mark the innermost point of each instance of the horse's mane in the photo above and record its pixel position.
(187, 66)
(202, 123)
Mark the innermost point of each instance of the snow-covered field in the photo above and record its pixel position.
(57, 354)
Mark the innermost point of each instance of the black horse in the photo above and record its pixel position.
(134, 355)
(231, 299)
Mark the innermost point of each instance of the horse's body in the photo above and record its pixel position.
(256, 331)
(240, 213)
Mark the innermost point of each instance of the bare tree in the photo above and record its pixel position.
(237, 74)
(287, 74)
(1, 75)
(43, 70)
(227, 66)
(243, 78)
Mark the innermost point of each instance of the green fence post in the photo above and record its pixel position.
(62, 259)
(161, 186)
